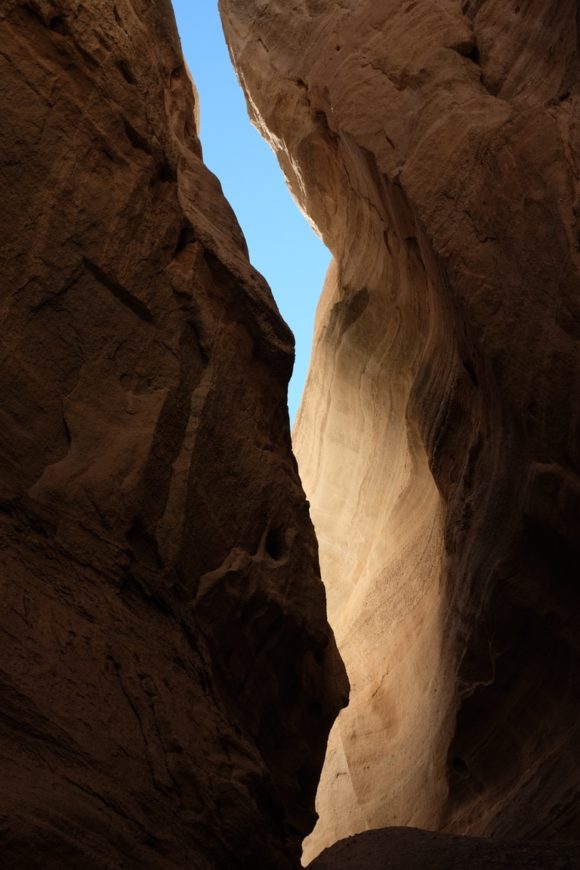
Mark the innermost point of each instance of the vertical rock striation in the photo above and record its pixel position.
(167, 674)
(435, 145)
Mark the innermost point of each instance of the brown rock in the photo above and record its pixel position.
(167, 674)
(436, 147)
(410, 849)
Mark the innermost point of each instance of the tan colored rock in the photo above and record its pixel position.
(435, 145)
(167, 674)
(378, 517)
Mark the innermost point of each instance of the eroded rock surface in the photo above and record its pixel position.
(435, 145)
(167, 674)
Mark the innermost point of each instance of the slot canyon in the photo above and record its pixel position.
(356, 647)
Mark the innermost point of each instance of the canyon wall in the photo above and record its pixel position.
(435, 145)
(411, 849)
(167, 674)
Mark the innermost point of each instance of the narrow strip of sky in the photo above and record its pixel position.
(282, 245)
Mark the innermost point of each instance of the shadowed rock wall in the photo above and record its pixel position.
(167, 674)
(435, 145)
(410, 849)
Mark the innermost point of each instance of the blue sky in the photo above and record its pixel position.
(282, 245)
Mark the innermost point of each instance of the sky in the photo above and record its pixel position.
(282, 245)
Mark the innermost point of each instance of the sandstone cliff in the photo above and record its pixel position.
(167, 674)
(436, 146)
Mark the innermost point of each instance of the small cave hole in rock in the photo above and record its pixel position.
(474, 54)
(165, 171)
(186, 237)
(469, 368)
(275, 544)
(460, 768)
(58, 24)
(143, 545)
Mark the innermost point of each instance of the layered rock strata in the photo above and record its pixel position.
(435, 146)
(167, 674)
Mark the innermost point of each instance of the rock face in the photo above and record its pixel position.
(409, 849)
(167, 674)
(436, 146)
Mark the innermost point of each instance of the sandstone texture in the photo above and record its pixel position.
(410, 849)
(167, 674)
(435, 145)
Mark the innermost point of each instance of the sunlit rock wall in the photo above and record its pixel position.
(167, 674)
(435, 146)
